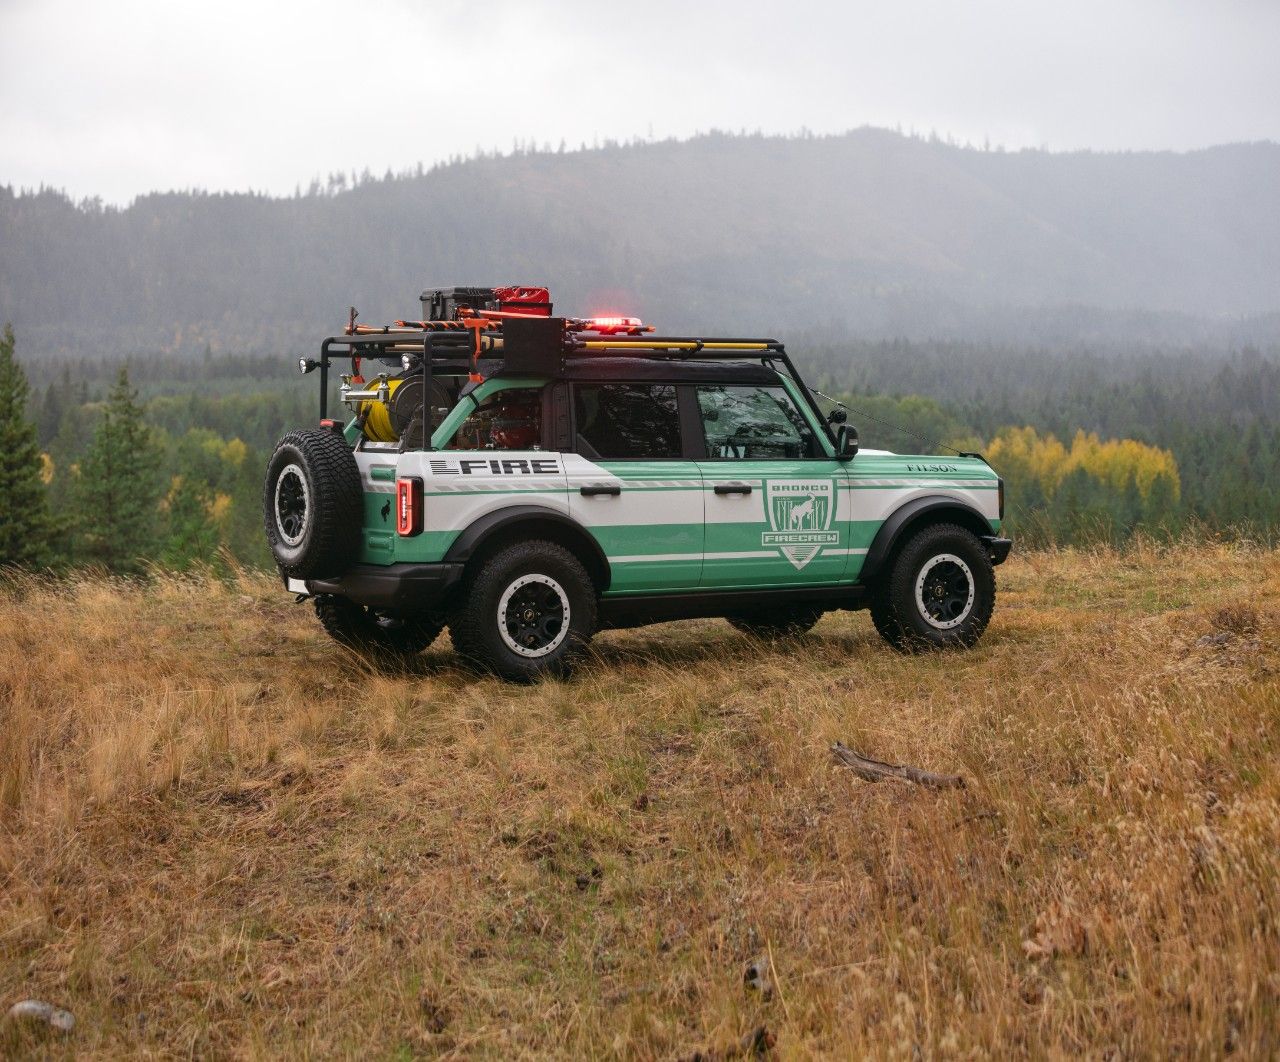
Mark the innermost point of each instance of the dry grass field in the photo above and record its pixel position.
(222, 837)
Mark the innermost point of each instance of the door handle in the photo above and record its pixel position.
(733, 488)
(609, 490)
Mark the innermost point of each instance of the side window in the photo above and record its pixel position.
(626, 420)
(506, 420)
(747, 421)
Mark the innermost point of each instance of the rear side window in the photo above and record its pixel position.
(506, 420)
(627, 421)
(745, 421)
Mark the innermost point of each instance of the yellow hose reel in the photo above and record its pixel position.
(377, 416)
(388, 421)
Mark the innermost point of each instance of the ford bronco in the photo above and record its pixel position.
(527, 480)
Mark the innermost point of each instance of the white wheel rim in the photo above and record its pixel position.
(292, 472)
(523, 620)
(928, 593)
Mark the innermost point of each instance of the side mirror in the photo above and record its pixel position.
(846, 442)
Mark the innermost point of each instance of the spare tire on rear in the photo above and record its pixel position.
(313, 504)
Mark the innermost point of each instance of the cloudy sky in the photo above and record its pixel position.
(114, 99)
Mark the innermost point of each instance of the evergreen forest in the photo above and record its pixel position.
(158, 461)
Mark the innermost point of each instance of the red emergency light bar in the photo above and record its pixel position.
(611, 326)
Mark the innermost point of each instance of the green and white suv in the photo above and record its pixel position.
(579, 475)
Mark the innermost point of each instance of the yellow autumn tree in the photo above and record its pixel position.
(230, 452)
(1118, 463)
(1022, 455)
(1094, 488)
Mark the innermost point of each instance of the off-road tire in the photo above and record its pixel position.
(367, 631)
(947, 561)
(557, 575)
(320, 475)
(777, 623)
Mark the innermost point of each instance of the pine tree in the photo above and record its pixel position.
(190, 535)
(118, 491)
(49, 419)
(1162, 509)
(24, 514)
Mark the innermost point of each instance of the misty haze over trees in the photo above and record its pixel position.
(871, 234)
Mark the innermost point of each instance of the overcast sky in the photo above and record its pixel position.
(114, 99)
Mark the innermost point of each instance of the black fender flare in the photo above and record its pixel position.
(902, 519)
(568, 532)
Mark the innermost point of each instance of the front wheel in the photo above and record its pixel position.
(939, 593)
(527, 611)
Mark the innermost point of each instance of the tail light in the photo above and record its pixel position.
(1000, 496)
(409, 506)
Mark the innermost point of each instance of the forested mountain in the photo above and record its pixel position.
(871, 233)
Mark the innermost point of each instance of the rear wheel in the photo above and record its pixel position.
(940, 591)
(368, 631)
(778, 622)
(527, 611)
(882, 616)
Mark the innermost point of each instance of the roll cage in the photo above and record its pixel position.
(546, 347)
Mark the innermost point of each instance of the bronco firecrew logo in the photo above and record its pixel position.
(800, 514)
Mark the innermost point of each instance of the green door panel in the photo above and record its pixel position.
(776, 513)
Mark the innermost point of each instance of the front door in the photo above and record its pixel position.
(776, 514)
(632, 487)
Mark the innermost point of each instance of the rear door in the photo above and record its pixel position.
(632, 487)
(493, 458)
(776, 514)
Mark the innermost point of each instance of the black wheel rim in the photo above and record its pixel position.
(944, 591)
(534, 617)
(291, 504)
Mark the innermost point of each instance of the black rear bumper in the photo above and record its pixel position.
(397, 588)
(997, 548)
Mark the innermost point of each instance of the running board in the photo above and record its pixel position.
(637, 610)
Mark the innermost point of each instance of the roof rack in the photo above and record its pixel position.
(524, 344)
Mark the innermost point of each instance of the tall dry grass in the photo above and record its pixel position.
(219, 835)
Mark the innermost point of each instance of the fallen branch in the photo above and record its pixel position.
(875, 771)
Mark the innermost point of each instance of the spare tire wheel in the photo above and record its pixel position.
(313, 504)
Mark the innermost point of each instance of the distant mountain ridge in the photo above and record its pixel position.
(870, 233)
